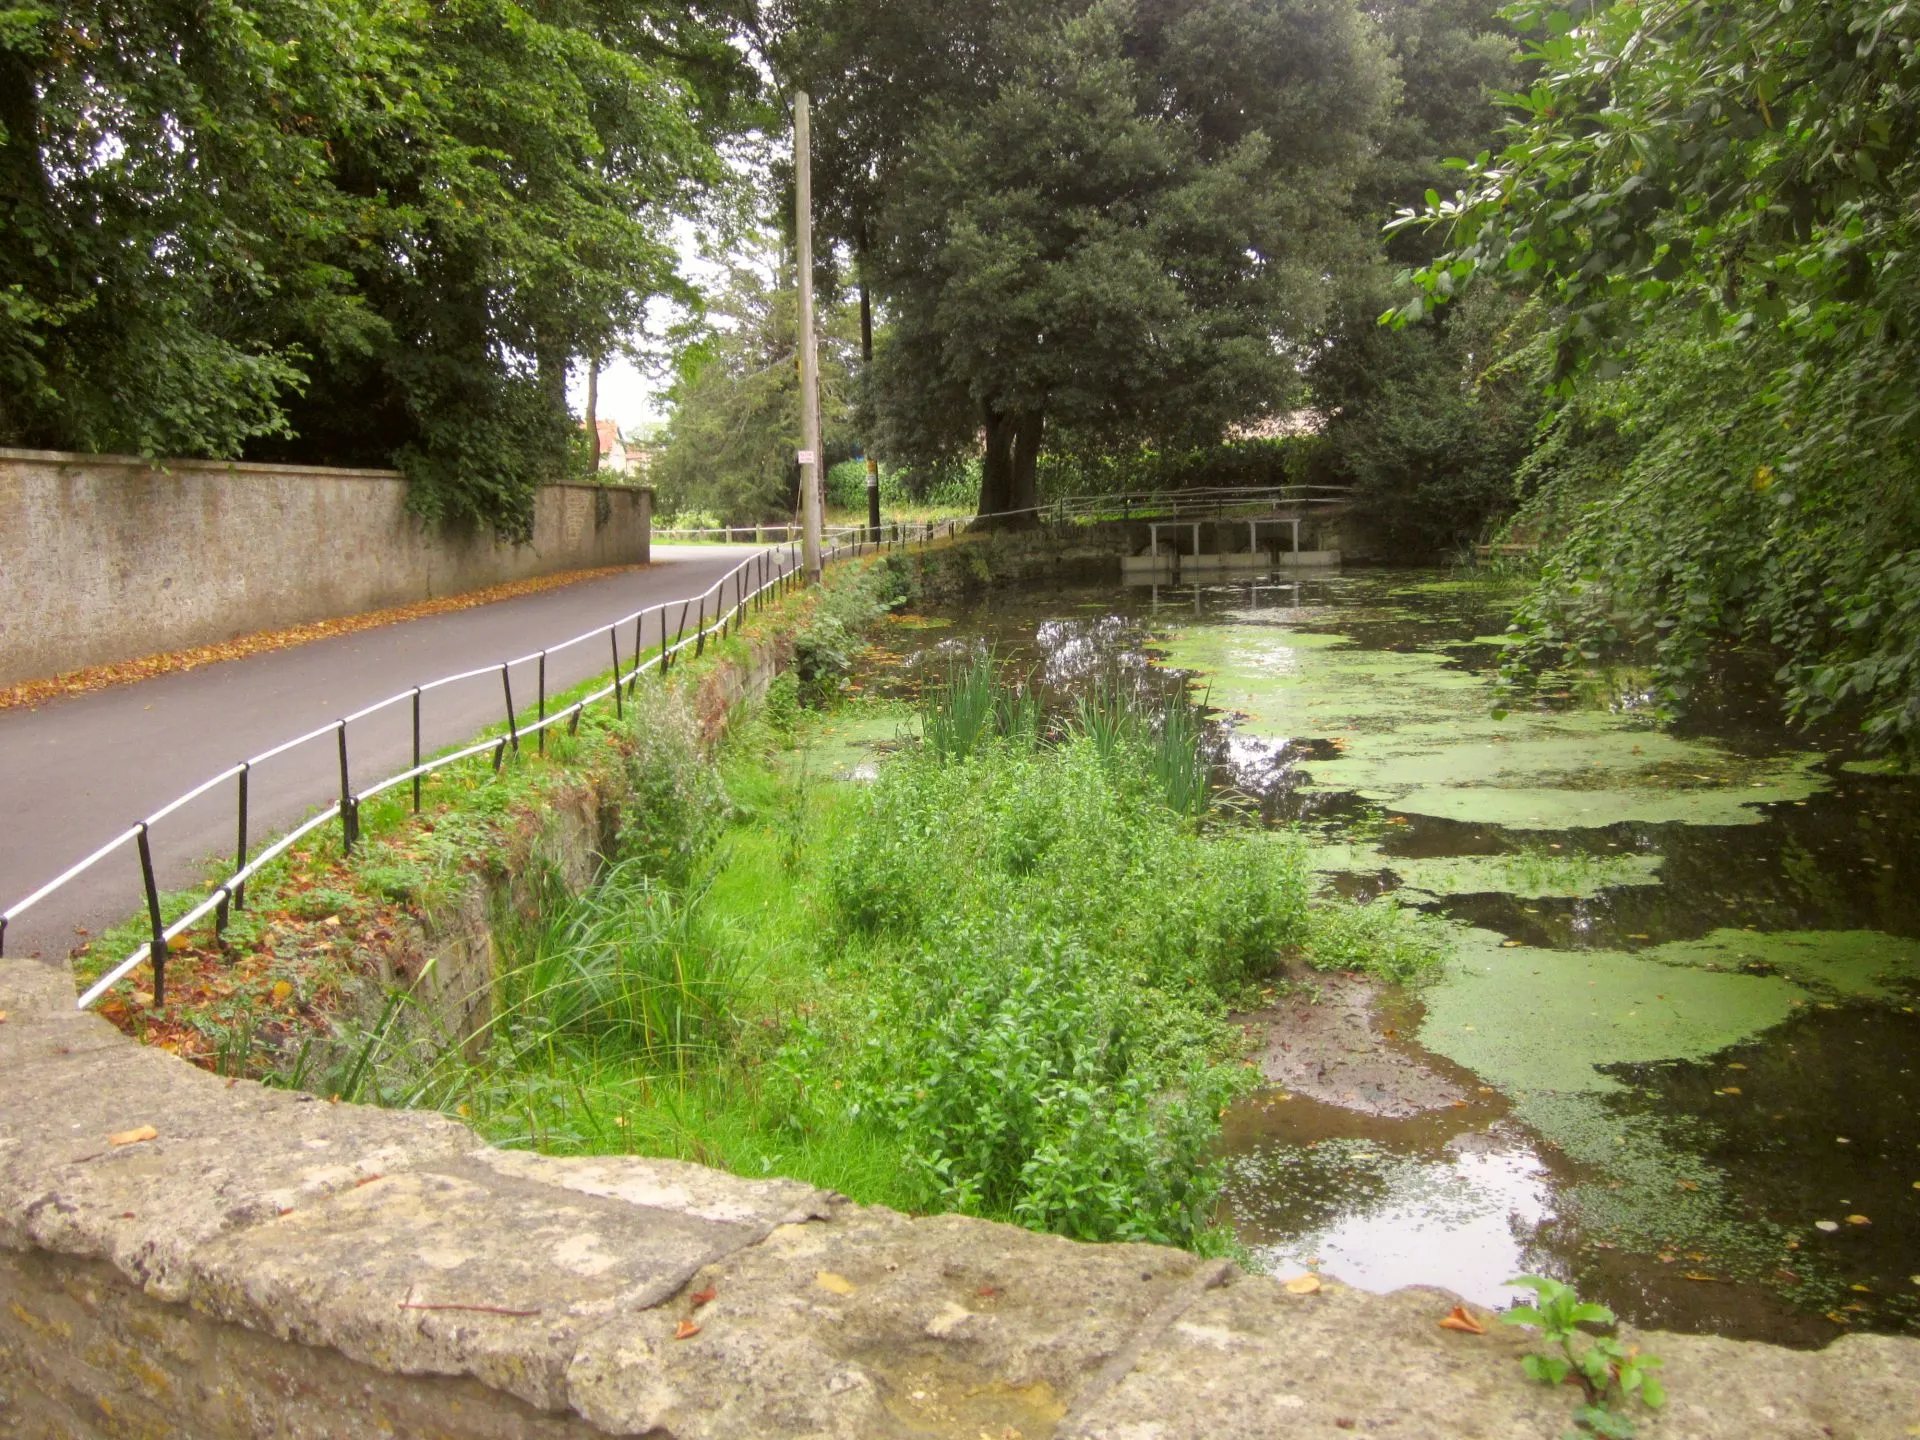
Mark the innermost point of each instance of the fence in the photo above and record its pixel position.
(1195, 504)
(768, 572)
(745, 534)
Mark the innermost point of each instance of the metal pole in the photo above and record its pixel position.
(613, 638)
(809, 361)
(416, 748)
(157, 947)
(506, 685)
(346, 796)
(240, 846)
(543, 702)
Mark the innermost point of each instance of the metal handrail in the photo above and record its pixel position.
(771, 569)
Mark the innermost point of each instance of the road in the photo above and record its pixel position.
(76, 772)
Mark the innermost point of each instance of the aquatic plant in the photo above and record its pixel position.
(974, 704)
(1175, 757)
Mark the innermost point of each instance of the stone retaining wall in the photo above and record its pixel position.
(109, 557)
(271, 1264)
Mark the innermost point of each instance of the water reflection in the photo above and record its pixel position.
(1421, 1202)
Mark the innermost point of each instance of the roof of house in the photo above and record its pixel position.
(607, 434)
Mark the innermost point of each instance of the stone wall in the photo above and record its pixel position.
(267, 1264)
(106, 558)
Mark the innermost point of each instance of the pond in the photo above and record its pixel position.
(1674, 1049)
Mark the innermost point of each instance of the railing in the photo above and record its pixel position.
(747, 534)
(748, 584)
(1197, 503)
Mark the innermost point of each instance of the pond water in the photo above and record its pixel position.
(1686, 971)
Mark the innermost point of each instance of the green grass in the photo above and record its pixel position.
(993, 981)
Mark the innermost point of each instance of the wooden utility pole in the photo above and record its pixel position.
(866, 363)
(809, 361)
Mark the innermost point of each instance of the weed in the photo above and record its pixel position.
(1609, 1373)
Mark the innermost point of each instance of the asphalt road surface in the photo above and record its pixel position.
(76, 772)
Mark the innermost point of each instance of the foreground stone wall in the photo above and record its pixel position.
(266, 1263)
(106, 558)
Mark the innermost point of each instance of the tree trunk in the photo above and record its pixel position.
(1024, 494)
(996, 465)
(593, 411)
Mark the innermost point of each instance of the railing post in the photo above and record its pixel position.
(347, 819)
(416, 749)
(240, 845)
(639, 637)
(543, 702)
(157, 946)
(613, 639)
(506, 686)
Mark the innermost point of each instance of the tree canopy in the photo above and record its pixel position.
(341, 231)
(1108, 220)
(1713, 207)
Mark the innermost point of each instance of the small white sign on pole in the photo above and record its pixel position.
(806, 457)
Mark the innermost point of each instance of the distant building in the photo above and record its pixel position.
(622, 456)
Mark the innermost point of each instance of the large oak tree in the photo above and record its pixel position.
(1109, 221)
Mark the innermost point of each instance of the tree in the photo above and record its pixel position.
(1426, 439)
(343, 232)
(1110, 219)
(163, 181)
(732, 441)
(1714, 205)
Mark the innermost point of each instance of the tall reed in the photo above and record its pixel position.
(631, 964)
(974, 705)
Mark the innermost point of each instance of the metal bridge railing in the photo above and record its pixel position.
(725, 603)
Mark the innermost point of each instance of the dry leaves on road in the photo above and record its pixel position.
(123, 672)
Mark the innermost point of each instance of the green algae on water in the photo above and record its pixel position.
(1420, 735)
(1529, 1020)
(1530, 874)
(1851, 964)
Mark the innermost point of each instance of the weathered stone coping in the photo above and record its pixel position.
(270, 1263)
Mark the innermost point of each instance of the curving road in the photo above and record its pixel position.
(78, 771)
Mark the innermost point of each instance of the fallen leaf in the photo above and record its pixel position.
(685, 1329)
(1688, 1185)
(1729, 1090)
(1863, 1289)
(1858, 1220)
(281, 990)
(3, 1017)
(1827, 1225)
(133, 1137)
(1303, 1285)
(838, 1284)
(701, 1297)
(1697, 1275)
(1458, 1319)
